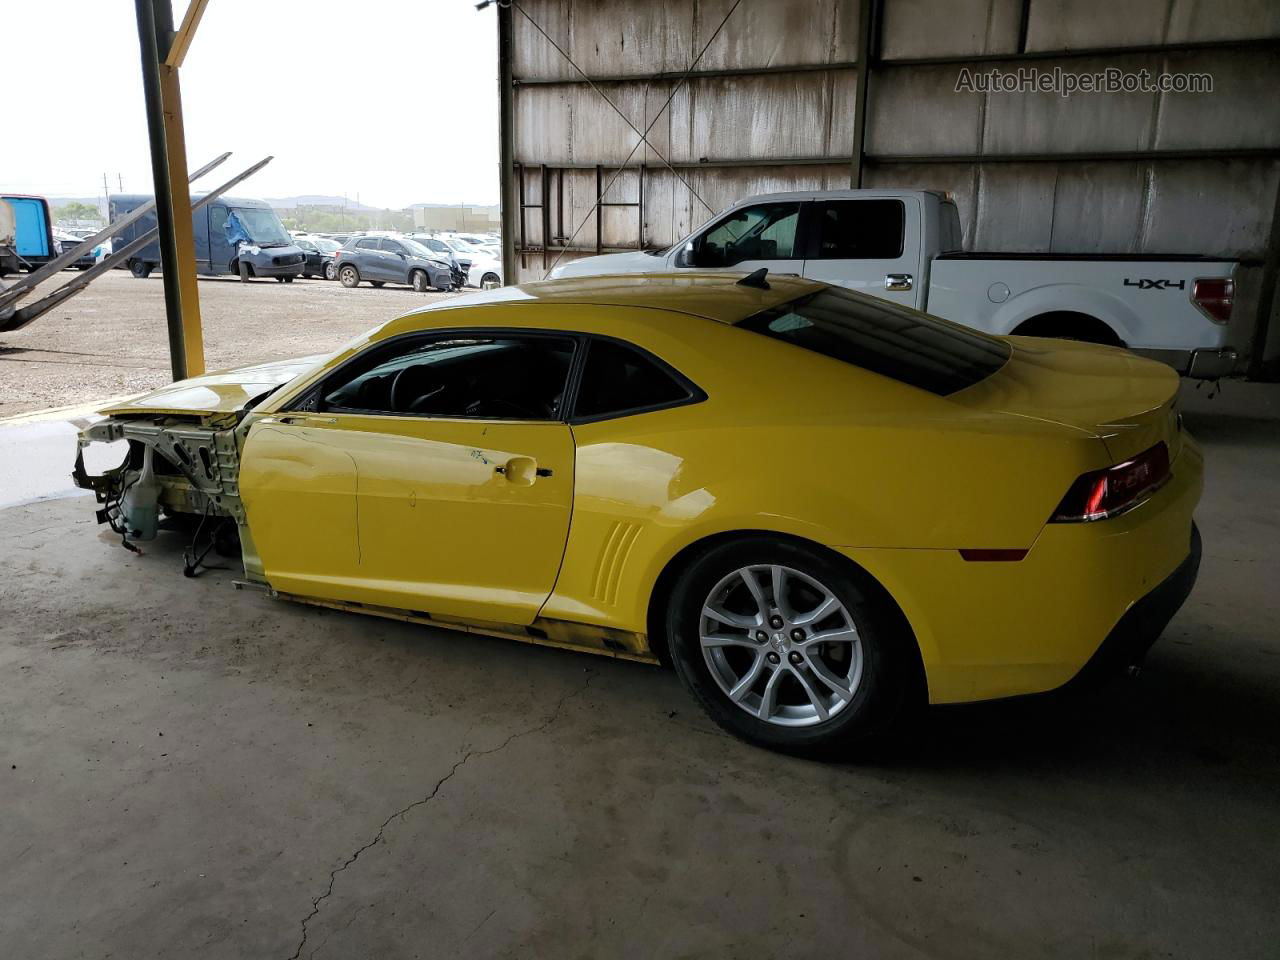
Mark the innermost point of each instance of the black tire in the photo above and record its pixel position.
(330, 271)
(376, 283)
(140, 269)
(888, 670)
(349, 276)
(418, 279)
(245, 270)
(489, 277)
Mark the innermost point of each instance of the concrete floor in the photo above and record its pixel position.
(190, 771)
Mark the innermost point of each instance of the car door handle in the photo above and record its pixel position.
(898, 281)
(521, 471)
(295, 419)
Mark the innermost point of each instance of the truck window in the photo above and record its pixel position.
(860, 230)
(766, 232)
(885, 338)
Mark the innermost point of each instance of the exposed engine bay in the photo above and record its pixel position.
(179, 472)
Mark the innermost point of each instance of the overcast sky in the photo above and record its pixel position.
(394, 99)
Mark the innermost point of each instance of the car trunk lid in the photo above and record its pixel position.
(1128, 402)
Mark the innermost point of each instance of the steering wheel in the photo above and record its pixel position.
(393, 398)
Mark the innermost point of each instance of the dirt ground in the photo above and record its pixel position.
(112, 341)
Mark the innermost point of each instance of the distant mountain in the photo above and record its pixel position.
(316, 200)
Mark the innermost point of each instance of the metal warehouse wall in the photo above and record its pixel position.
(771, 101)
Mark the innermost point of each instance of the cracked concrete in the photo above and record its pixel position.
(190, 771)
(400, 814)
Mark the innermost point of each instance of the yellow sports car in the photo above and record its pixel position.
(820, 507)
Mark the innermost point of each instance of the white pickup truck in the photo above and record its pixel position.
(904, 245)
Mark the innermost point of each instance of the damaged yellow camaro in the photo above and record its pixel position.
(819, 506)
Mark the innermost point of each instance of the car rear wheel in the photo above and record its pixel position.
(330, 273)
(419, 281)
(489, 278)
(349, 276)
(140, 269)
(377, 283)
(784, 647)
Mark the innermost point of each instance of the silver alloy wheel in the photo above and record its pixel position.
(329, 272)
(781, 645)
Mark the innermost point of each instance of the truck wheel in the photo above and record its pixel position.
(1067, 325)
(140, 269)
(419, 281)
(349, 276)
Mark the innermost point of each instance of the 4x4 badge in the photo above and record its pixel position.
(1145, 284)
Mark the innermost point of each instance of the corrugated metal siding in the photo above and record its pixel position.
(1215, 206)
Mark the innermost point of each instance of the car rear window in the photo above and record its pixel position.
(885, 338)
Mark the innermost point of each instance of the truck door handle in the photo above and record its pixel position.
(898, 281)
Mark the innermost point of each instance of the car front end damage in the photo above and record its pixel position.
(181, 470)
(178, 473)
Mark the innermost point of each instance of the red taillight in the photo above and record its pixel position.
(1214, 297)
(1108, 493)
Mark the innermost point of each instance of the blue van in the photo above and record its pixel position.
(34, 241)
(232, 235)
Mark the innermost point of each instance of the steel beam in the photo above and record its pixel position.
(169, 173)
(506, 147)
(185, 34)
(860, 94)
(1266, 301)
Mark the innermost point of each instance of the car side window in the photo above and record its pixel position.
(306, 245)
(763, 232)
(367, 244)
(389, 246)
(499, 377)
(860, 230)
(618, 379)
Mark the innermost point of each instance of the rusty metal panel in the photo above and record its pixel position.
(1217, 206)
(532, 56)
(1097, 207)
(1242, 111)
(916, 112)
(1050, 123)
(1083, 24)
(926, 28)
(776, 33)
(771, 115)
(1201, 20)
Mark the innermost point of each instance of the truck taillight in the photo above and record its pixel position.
(1101, 494)
(1214, 296)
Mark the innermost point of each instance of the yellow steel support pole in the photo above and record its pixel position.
(184, 240)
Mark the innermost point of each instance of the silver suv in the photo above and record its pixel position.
(382, 260)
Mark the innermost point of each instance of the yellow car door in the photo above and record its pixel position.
(433, 474)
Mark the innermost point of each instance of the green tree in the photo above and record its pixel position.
(75, 210)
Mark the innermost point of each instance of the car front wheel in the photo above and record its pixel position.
(419, 281)
(786, 647)
(349, 276)
(330, 273)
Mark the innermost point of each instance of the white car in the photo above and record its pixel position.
(485, 267)
(904, 246)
